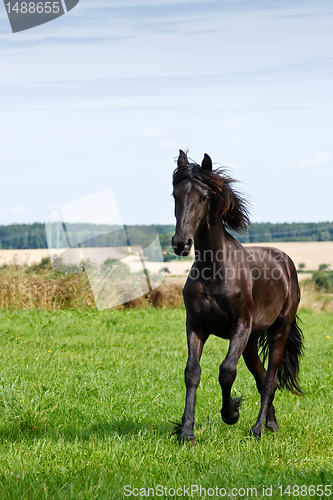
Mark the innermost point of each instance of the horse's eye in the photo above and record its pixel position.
(205, 198)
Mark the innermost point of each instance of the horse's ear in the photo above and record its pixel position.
(182, 159)
(207, 163)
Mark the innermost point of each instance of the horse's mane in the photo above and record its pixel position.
(226, 203)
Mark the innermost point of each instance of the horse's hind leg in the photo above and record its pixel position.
(278, 336)
(257, 369)
(196, 339)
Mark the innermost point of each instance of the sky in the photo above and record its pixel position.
(106, 95)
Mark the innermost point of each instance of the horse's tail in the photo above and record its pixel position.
(288, 373)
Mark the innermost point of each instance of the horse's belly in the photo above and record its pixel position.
(268, 304)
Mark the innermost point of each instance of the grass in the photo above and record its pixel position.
(87, 399)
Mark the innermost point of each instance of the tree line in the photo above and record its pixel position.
(30, 236)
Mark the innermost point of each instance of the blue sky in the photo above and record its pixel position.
(105, 96)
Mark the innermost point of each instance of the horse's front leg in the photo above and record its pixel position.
(228, 372)
(196, 338)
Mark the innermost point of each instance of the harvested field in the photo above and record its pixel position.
(310, 253)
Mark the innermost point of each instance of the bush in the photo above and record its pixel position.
(323, 280)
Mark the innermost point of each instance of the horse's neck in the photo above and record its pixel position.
(210, 240)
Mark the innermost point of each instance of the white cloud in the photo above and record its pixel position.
(316, 161)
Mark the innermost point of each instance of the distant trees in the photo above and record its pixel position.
(25, 236)
(21, 236)
(296, 231)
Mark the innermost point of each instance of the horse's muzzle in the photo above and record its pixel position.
(180, 246)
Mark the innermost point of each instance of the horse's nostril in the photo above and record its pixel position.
(180, 245)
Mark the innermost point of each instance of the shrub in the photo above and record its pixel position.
(323, 279)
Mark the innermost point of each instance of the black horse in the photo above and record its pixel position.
(247, 295)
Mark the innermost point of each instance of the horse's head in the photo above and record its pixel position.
(191, 196)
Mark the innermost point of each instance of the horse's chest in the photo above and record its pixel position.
(208, 308)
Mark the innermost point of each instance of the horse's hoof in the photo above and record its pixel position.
(272, 426)
(186, 439)
(191, 442)
(256, 434)
(231, 420)
(181, 437)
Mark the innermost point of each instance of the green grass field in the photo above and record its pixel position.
(87, 399)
